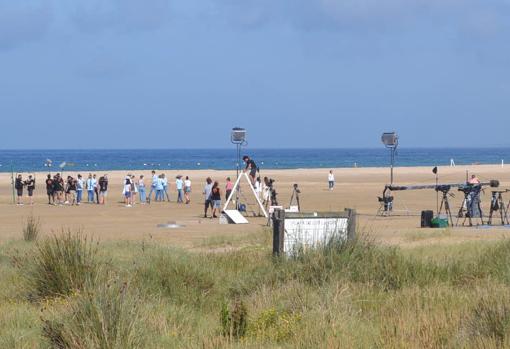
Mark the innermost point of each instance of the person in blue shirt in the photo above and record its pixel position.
(165, 188)
(159, 188)
(91, 185)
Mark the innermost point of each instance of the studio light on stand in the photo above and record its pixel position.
(390, 141)
(238, 137)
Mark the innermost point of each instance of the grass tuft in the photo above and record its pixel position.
(61, 265)
(31, 228)
(108, 317)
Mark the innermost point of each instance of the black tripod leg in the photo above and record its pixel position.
(448, 211)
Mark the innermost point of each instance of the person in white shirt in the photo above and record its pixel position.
(179, 185)
(331, 180)
(187, 190)
(258, 188)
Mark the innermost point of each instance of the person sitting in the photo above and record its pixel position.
(474, 180)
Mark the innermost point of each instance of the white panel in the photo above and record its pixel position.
(311, 232)
(236, 216)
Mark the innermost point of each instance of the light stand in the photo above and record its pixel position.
(238, 137)
(434, 171)
(390, 141)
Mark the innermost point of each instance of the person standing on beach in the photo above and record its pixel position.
(165, 188)
(96, 188)
(159, 188)
(103, 189)
(258, 188)
(187, 190)
(18, 185)
(134, 190)
(127, 191)
(49, 189)
(216, 199)
(79, 190)
(207, 195)
(153, 185)
(251, 168)
(141, 190)
(179, 186)
(58, 188)
(90, 189)
(228, 188)
(331, 180)
(30, 183)
(71, 190)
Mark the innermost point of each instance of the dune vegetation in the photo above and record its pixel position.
(73, 291)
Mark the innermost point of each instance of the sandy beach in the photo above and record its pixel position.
(356, 188)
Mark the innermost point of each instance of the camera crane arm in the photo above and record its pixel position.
(438, 187)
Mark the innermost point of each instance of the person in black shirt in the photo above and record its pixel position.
(103, 189)
(71, 190)
(30, 183)
(58, 188)
(216, 199)
(49, 189)
(18, 185)
(251, 168)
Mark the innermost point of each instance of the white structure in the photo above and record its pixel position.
(236, 188)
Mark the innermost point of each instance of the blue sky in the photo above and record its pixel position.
(295, 73)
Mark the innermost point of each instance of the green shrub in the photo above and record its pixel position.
(107, 317)
(274, 326)
(234, 319)
(184, 279)
(31, 228)
(490, 319)
(61, 265)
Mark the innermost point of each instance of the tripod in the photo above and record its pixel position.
(295, 197)
(470, 207)
(497, 204)
(445, 204)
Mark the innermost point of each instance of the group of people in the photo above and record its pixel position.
(20, 184)
(133, 187)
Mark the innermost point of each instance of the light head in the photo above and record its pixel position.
(389, 139)
(238, 135)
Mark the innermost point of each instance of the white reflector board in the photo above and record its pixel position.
(236, 216)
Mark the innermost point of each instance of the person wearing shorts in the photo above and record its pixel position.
(49, 189)
(18, 185)
(103, 189)
(127, 191)
(207, 196)
(30, 183)
(216, 199)
(187, 189)
(251, 168)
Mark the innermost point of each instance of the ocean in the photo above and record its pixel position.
(224, 159)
